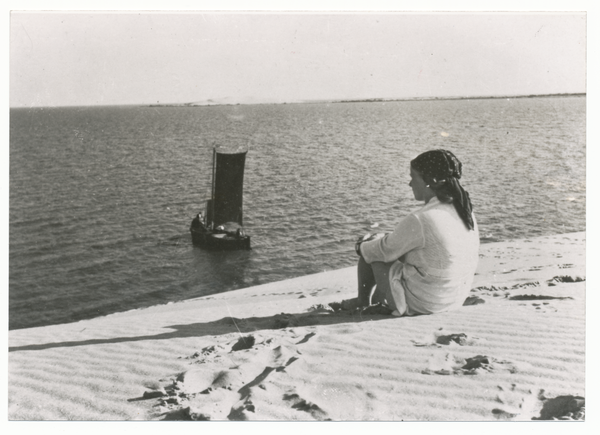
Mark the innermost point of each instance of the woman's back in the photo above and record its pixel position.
(438, 276)
(448, 244)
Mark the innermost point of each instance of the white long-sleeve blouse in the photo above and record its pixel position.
(434, 259)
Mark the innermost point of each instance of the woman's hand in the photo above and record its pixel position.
(366, 238)
(371, 237)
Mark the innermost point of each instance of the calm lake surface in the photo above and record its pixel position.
(101, 198)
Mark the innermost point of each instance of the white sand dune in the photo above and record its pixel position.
(277, 352)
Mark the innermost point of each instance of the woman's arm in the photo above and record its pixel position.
(407, 235)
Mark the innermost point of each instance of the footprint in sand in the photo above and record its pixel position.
(460, 339)
(234, 385)
(565, 278)
(301, 404)
(526, 285)
(201, 381)
(244, 343)
(439, 338)
(207, 353)
(525, 404)
(567, 407)
(541, 308)
(493, 288)
(307, 337)
(448, 364)
(516, 404)
(473, 300)
(537, 298)
(241, 410)
(225, 394)
(316, 292)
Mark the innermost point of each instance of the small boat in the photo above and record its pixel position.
(221, 228)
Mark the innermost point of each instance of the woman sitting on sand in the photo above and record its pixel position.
(428, 263)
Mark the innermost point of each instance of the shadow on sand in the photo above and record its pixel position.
(226, 325)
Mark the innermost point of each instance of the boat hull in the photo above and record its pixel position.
(218, 240)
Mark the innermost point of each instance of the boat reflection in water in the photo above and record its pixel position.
(221, 228)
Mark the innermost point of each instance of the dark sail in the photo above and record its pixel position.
(228, 185)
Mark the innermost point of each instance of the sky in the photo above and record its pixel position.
(136, 57)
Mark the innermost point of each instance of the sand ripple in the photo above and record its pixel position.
(264, 353)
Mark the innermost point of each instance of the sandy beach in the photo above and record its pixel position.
(279, 352)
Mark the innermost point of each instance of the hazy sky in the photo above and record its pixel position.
(85, 58)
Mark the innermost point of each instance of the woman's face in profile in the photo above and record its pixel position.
(418, 185)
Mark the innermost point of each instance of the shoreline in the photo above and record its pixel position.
(274, 351)
(348, 269)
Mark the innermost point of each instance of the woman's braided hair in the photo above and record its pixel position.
(441, 171)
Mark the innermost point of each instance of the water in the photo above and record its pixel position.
(101, 198)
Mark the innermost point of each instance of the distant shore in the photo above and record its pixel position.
(366, 100)
(363, 100)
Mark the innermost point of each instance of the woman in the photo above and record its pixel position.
(428, 263)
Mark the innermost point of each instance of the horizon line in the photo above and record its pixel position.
(207, 103)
